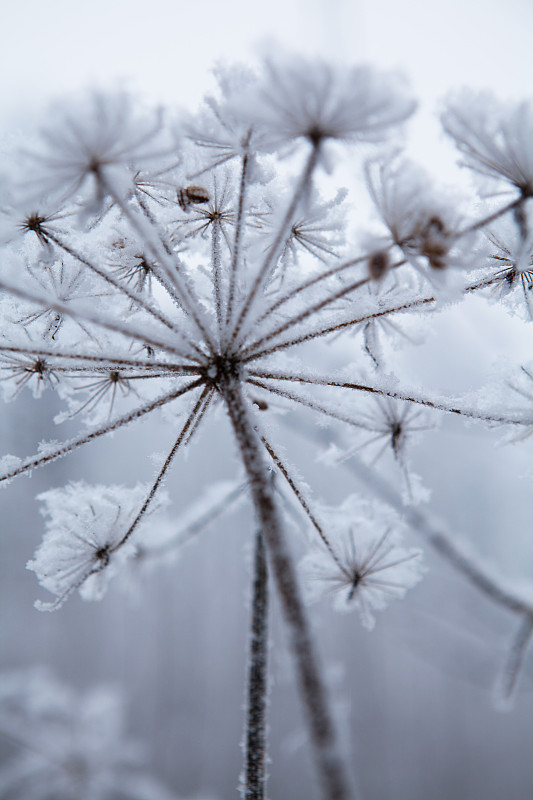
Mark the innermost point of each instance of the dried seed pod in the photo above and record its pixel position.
(378, 264)
(192, 195)
(433, 242)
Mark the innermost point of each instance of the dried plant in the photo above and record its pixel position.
(157, 269)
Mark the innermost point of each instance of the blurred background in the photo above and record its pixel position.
(413, 696)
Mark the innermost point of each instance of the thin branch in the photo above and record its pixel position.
(303, 315)
(135, 297)
(482, 223)
(311, 310)
(336, 328)
(308, 403)
(71, 444)
(150, 234)
(273, 251)
(168, 461)
(106, 360)
(440, 405)
(294, 292)
(108, 324)
(353, 321)
(301, 499)
(201, 414)
(239, 228)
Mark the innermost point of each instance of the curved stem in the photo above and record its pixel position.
(329, 766)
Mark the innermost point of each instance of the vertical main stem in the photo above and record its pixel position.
(313, 692)
(255, 788)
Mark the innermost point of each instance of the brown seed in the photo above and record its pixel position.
(378, 264)
(192, 195)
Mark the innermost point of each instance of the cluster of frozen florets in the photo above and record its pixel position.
(148, 266)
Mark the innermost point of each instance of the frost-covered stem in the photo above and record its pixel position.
(186, 297)
(353, 262)
(482, 223)
(256, 731)
(200, 415)
(301, 499)
(351, 323)
(150, 217)
(308, 312)
(72, 444)
(82, 313)
(215, 266)
(106, 360)
(135, 297)
(408, 397)
(313, 692)
(239, 227)
(312, 404)
(274, 250)
(162, 472)
(150, 236)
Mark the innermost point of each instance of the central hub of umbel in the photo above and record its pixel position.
(222, 368)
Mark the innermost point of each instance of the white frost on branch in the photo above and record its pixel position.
(373, 566)
(85, 540)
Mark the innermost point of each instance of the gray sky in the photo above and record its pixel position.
(165, 47)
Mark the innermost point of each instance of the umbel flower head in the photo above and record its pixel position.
(94, 140)
(373, 566)
(85, 542)
(187, 304)
(493, 136)
(301, 98)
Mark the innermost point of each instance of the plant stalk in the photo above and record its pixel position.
(330, 768)
(256, 749)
